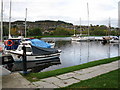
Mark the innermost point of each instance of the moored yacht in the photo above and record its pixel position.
(34, 53)
(115, 40)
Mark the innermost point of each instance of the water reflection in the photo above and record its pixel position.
(35, 66)
(75, 53)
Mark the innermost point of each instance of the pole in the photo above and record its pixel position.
(10, 20)
(109, 37)
(24, 60)
(80, 27)
(1, 20)
(25, 21)
(88, 29)
(88, 19)
(118, 45)
(74, 30)
(80, 42)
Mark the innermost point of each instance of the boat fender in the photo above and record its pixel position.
(10, 43)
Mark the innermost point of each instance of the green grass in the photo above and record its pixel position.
(108, 80)
(51, 36)
(37, 76)
(57, 36)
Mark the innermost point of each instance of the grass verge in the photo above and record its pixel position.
(50, 36)
(108, 80)
(37, 76)
(57, 36)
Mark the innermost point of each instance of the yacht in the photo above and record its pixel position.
(34, 53)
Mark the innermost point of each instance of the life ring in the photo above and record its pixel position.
(10, 43)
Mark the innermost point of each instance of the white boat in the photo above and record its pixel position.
(115, 40)
(52, 43)
(34, 54)
(75, 38)
(82, 39)
(98, 38)
(12, 44)
(78, 38)
(112, 39)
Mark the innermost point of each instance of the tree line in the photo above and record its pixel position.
(94, 30)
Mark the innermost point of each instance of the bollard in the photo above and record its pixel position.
(24, 60)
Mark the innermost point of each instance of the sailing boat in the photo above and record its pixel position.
(78, 37)
(13, 43)
(115, 40)
(81, 38)
(75, 37)
(110, 39)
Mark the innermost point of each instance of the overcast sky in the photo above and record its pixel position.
(66, 10)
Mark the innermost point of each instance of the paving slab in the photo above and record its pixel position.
(87, 70)
(84, 71)
(66, 76)
(98, 72)
(15, 80)
(82, 77)
(51, 79)
(111, 68)
(41, 84)
(67, 82)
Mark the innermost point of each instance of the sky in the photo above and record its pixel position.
(65, 10)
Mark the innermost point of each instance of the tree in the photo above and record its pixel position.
(61, 31)
(5, 31)
(34, 32)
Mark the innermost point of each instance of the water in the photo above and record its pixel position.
(76, 53)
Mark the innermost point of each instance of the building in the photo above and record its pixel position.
(119, 14)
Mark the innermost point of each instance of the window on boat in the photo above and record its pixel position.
(16, 42)
(28, 49)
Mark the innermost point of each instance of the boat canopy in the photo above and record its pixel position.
(40, 43)
(43, 51)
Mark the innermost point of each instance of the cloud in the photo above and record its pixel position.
(66, 10)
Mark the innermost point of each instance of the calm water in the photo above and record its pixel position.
(75, 53)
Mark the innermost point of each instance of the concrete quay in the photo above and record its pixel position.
(15, 80)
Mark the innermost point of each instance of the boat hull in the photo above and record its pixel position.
(33, 58)
(114, 41)
(36, 65)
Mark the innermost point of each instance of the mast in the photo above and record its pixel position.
(80, 27)
(25, 21)
(1, 20)
(74, 31)
(109, 26)
(10, 20)
(80, 42)
(88, 19)
(88, 30)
